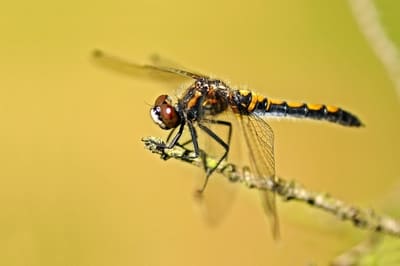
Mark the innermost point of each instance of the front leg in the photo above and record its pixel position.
(163, 145)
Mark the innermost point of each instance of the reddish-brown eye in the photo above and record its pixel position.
(164, 113)
(169, 116)
(160, 100)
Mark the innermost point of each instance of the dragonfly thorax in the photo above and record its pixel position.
(164, 113)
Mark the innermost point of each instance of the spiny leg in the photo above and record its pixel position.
(219, 122)
(220, 141)
(222, 123)
(193, 134)
(175, 140)
(172, 143)
(182, 144)
(210, 171)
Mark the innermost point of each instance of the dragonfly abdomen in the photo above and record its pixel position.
(313, 111)
(253, 103)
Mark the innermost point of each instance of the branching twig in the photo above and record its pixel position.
(287, 190)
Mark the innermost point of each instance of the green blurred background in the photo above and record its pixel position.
(78, 188)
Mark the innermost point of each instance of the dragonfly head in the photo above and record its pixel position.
(164, 113)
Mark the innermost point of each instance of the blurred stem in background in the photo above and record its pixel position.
(367, 17)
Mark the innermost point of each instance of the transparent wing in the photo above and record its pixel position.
(260, 140)
(130, 68)
(218, 198)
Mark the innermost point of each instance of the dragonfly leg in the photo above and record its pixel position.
(181, 144)
(210, 171)
(193, 134)
(174, 141)
(223, 123)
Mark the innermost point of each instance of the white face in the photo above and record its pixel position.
(155, 113)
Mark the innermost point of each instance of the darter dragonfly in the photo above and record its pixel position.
(200, 104)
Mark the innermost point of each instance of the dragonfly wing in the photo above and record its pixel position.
(130, 68)
(162, 62)
(260, 141)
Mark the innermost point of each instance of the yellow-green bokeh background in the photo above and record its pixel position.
(78, 188)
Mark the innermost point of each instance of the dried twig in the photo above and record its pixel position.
(287, 190)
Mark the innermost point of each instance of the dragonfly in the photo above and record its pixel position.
(199, 107)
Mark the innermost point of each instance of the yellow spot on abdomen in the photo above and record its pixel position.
(260, 98)
(314, 107)
(295, 104)
(332, 109)
(253, 102)
(274, 101)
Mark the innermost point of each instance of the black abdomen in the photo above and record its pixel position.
(314, 111)
(246, 102)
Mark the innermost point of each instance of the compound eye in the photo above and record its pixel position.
(169, 115)
(161, 100)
